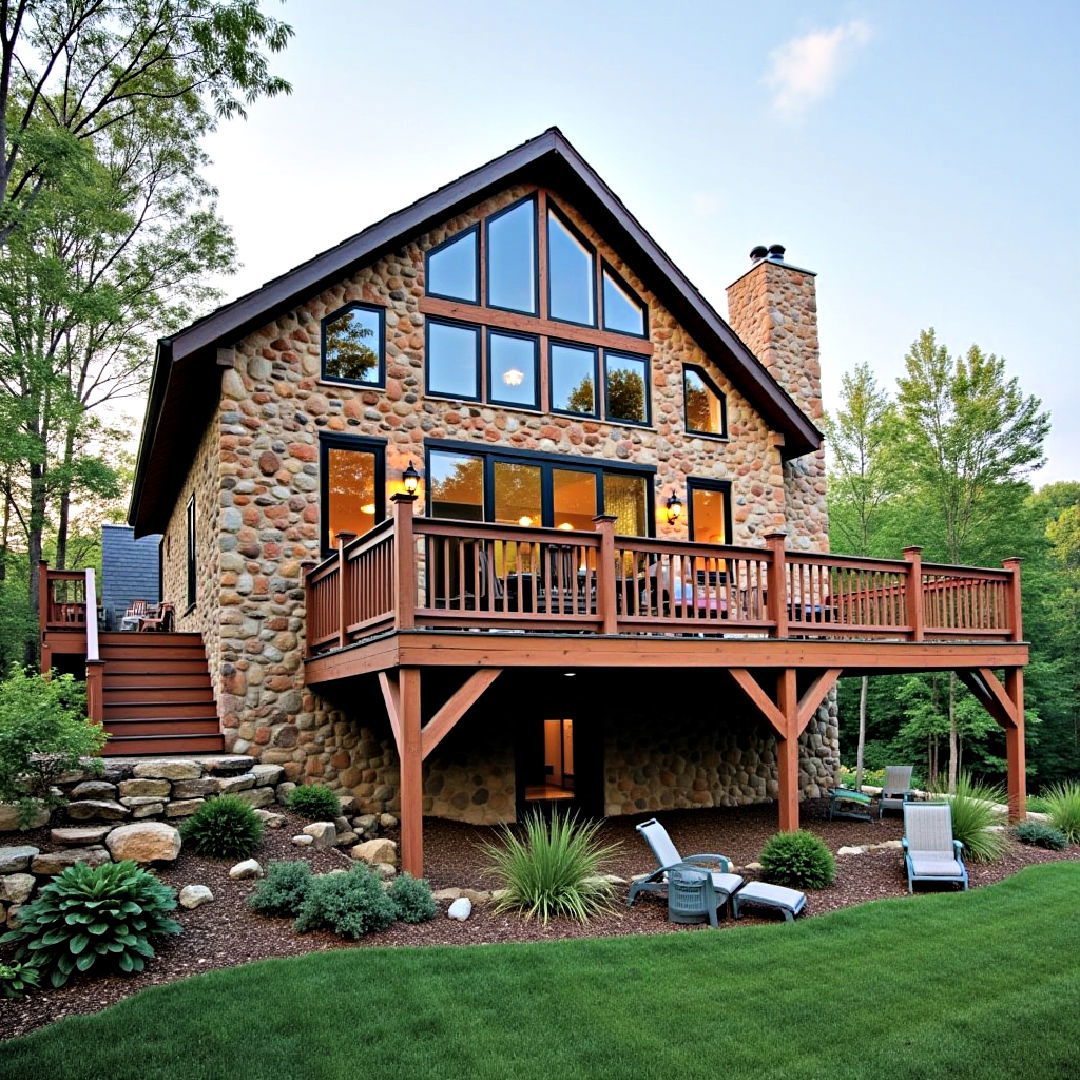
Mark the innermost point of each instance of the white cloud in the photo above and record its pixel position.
(805, 69)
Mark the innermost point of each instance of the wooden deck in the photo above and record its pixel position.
(415, 594)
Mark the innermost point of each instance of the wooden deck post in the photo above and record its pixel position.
(787, 752)
(404, 561)
(410, 752)
(915, 614)
(1014, 601)
(342, 539)
(776, 601)
(605, 575)
(95, 698)
(1014, 746)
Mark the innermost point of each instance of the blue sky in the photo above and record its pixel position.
(921, 157)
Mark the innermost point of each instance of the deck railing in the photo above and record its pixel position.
(61, 599)
(414, 572)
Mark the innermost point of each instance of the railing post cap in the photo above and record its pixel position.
(601, 518)
(913, 549)
(403, 497)
(95, 663)
(1012, 562)
(344, 535)
(777, 534)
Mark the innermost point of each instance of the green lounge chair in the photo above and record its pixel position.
(930, 852)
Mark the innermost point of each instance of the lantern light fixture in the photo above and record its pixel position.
(674, 508)
(411, 478)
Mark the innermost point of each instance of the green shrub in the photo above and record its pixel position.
(284, 888)
(412, 900)
(316, 802)
(799, 860)
(102, 917)
(352, 903)
(1037, 804)
(224, 827)
(974, 819)
(17, 978)
(871, 777)
(1038, 834)
(1063, 805)
(552, 869)
(43, 732)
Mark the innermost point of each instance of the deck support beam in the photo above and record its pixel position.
(1005, 703)
(787, 752)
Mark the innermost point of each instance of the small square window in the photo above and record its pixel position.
(572, 377)
(453, 360)
(352, 345)
(626, 388)
(512, 370)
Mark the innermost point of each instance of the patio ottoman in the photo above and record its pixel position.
(789, 901)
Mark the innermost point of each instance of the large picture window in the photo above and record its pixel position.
(706, 408)
(511, 255)
(572, 379)
(353, 486)
(352, 345)
(571, 273)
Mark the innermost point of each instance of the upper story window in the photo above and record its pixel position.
(513, 373)
(623, 311)
(453, 360)
(511, 258)
(572, 379)
(706, 407)
(453, 268)
(571, 273)
(626, 388)
(352, 345)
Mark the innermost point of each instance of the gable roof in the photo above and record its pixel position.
(179, 405)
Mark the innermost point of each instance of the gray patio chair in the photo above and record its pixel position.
(930, 852)
(668, 858)
(896, 791)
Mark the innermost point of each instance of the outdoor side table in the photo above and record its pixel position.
(692, 895)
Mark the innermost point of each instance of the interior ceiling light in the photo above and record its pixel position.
(525, 520)
(368, 508)
(566, 526)
(513, 377)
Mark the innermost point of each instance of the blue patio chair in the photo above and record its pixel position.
(930, 852)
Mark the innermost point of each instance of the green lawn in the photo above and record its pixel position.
(978, 985)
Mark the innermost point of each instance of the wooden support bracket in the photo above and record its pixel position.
(459, 703)
(391, 692)
(814, 696)
(986, 686)
(765, 705)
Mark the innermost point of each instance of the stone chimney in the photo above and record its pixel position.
(773, 308)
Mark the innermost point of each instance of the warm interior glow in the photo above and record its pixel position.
(350, 491)
(525, 520)
(368, 508)
(566, 526)
(513, 377)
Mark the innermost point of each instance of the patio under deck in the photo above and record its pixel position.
(417, 593)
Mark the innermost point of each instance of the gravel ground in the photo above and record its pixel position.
(225, 933)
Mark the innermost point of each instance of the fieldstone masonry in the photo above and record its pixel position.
(255, 482)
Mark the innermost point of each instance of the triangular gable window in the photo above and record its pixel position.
(623, 311)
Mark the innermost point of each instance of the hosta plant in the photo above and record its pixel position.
(102, 918)
(18, 978)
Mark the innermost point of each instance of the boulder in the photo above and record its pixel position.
(852, 849)
(303, 840)
(152, 809)
(341, 824)
(143, 785)
(244, 871)
(134, 801)
(16, 888)
(233, 784)
(13, 859)
(476, 896)
(366, 823)
(193, 896)
(348, 803)
(190, 789)
(79, 835)
(385, 870)
(446, 894)
(322, 833)
(271, 819)
(94, 789)
(115, 771)
(97, 810)
(168, 770)
(388, 821)
(9, 818)
(183, 808)
(227, 765)
(460, 909)
(12, 920)
(46, 865)
(144, 842)
(376, 851)
(267, 774)
(283, 791)
(346, 838)
(256, 797)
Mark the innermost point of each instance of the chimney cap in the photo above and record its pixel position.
(758, 253)
(776, 251)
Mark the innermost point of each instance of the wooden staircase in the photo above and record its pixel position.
(157, 695)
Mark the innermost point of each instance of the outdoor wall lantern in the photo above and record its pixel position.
(674, 508)
(411, 479)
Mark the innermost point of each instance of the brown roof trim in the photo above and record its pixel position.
(168, 438)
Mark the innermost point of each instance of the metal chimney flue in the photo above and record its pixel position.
(758, 253)
(776, 252)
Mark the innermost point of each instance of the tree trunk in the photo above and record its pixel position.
(34, 546)
(954, 736)
(6, 527)
(64, 500)
(862, 731)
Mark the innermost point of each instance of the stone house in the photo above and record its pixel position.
(630, 484)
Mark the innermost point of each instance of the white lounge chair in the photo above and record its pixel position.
(896, 791)
(930, 852)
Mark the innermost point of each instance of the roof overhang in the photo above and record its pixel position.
(184, 386)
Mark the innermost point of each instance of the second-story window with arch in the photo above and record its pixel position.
(706, 406)
(352, 345)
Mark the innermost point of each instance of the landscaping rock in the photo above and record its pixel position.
(267, 774)
(16, 888)
(144, 842)
(97, 810)
(145, 786)
(386, 871)
(476, 896)
(228, 765)
(168, 770)
(446, 894)
(346, 838)
(460, 909)
(12, 920)
(183, 808)
(94, 789)
(80, 835)
(303, 840)
(366, 823)
(9, 818)
(133, 801)
(234, 784)
(855, 850)
(270, 819)
(193, 896)
(190, 789)
(283, 791)
(341, 824)
(322, 833)
(244, 871)
(388, 821)
(348, 803)
(46, 865)
(262, 796)
(115, 771)
(376, 851)
(151, 809)
(13, 859)
(498, 894)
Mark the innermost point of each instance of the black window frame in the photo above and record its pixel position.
(339, 380)
(711, 385)
(445, 244)
(547, 462)
(552, 207)
(534, 199)
(580, 347)
(534, 340)
(647, 394)
(335, 440)
(478, 331)
(191, 556)
(705, 483)
(607, 268)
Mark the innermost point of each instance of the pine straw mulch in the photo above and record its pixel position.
(226, 933)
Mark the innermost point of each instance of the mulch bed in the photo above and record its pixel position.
(226, 933)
